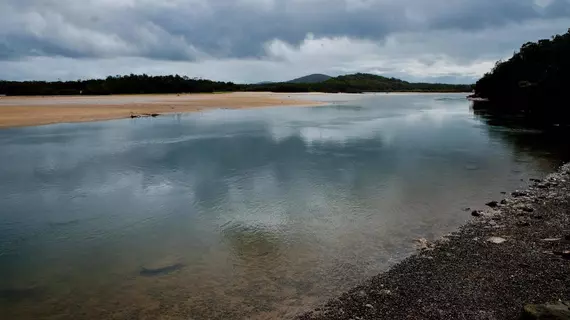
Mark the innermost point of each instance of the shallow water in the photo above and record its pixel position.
(241, 214)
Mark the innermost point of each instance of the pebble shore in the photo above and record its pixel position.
(515, 253)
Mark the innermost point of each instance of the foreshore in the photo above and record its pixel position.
(513, 254)
(42, 110)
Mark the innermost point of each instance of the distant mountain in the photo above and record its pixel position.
(365, 82)
(357, 83)
(312, 78)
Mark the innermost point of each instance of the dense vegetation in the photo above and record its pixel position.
(136, 84)
(533, 81)
(131, 84)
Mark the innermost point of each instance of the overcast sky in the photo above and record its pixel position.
(269, 40)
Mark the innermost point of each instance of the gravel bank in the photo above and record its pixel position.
(508, 256)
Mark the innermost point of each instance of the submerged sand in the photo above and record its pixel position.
(32, 111)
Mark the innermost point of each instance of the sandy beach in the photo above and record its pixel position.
(32, 111)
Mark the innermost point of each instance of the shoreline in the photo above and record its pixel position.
(513, 254)
(25, 111)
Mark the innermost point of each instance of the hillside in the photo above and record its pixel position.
(361, 82)
(533, 81)
(312, 78)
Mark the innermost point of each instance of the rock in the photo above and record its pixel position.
(523, 224)
(369, 306)
(518, 194)
(385, 292)
(160, 270)
(504, 201)
(423, 244)
(477, 213)
(554, 311)
(551, 239)
(492, 204)
(496, 240)
(527, 209)
(467, 209)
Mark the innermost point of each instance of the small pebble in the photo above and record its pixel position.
(496, 240)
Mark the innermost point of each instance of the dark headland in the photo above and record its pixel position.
(516, 254)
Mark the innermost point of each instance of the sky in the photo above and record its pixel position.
(248, 41)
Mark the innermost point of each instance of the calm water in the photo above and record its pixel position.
(241, 214)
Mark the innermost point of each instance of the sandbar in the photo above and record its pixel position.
(42, 110)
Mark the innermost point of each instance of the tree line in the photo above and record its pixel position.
(533, 81)
(143, 84)
(129, 84)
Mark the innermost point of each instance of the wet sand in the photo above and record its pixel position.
(33, 111)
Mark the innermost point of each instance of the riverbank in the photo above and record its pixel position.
(513, 254)
(32, 111)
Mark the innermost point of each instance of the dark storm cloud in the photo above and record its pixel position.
(269, 40)
(186, 30)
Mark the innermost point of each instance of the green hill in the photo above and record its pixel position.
(312, 78)
(358, 83)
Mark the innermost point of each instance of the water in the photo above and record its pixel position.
(227, 214)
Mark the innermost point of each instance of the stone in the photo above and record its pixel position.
(551, 311)
(523, 224)
(496, 240)
(518, 194)
(423, 244)
(477, 213)
(385, 292)
(160, 270)
(492, 204)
